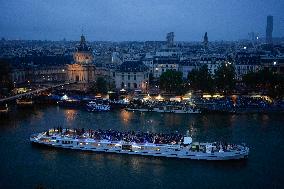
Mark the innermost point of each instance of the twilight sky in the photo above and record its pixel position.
(118, 20)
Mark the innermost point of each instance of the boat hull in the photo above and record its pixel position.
(169, 154)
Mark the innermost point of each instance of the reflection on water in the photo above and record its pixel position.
(173, 120)
(70, 115)
(233, 118)
(125, 116)
(205, 122)
(265, 118)
(107, 170)
(193, 129)
(50, 154)
(37, 116)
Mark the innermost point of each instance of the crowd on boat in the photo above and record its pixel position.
(113, 135)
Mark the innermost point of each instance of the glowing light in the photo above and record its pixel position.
(245, 48)
(274, 63)
(217, 96)
(125, 100)
(64, 97)
(206, 96)
(177, 99)
(159, 98)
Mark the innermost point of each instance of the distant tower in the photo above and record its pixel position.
(269, 29)
(170, 39)
(205, 41)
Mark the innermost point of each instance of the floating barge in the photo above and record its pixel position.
(139, 143)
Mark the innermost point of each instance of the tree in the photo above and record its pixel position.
(250, 80)
(225, 77)
(100, 86)
(171, 81)
(272, 83)
(201, 79)
(5, 80)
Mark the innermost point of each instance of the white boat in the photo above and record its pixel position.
(94, 106)
(119, 142)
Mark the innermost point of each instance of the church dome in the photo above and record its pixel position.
(83, 53)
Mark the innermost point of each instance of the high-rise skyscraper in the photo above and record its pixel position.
(205, 41)
(269, 29)
(170, 39)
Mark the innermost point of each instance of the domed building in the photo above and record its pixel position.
(83, 54)
(82, 71)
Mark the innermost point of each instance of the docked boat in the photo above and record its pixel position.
(24, 102)
(167, 109)
(97, 106)
(70, 103)
(139, 143)
(177, 109)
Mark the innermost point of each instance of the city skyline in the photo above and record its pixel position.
(138, 20)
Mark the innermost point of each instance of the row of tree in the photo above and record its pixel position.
(266, 81)
(199, 79)
(223, 81)
(102, 86)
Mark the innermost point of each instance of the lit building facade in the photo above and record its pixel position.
(83, 70)
(162, 64)
(132, 75)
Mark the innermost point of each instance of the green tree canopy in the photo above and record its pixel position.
(100, 86)
(201, 79)
(171, 81)
(266, 80)
(225, 77)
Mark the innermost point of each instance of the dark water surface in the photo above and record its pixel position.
(23, 165)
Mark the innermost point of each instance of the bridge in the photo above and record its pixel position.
(34, 92)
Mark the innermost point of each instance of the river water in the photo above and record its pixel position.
(23, 165)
